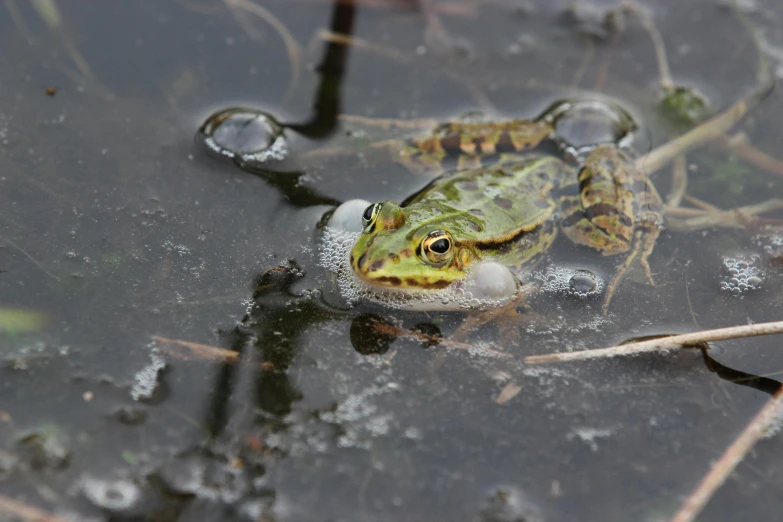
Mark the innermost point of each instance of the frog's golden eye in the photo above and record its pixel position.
(370, 214)
(437, 246)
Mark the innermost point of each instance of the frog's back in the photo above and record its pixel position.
(492, 204)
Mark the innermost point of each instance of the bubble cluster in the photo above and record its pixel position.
(574, 282)
(488, 288)
(742, 274)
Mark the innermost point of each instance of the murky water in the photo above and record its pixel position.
(119, 234)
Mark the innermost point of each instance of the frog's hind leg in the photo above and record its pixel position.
(617, 211)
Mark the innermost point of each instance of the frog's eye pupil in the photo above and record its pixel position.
(367, 216)
(441, 246)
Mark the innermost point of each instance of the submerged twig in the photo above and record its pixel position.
(679, 181)
(365, 45)
(291, 46)
(389, 329)
(664, 73)
(690, 219)
(202, 351)
(713, 128)
(663, 343)
(26, 512)
(720, 471)
(31, 258)
(390, 123)
(717, 126)
(752, 155)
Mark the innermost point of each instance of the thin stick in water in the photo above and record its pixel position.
(663, 343)
(25, 512)
(720, 471)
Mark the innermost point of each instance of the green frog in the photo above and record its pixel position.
(505, 203)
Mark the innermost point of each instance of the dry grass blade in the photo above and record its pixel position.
(508, 392)
(663, 343)
(27, 513)
(365, 45)
(720, 471)
(200, 351)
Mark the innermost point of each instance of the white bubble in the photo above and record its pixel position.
(348, 216)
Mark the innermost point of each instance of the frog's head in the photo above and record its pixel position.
(395, 253)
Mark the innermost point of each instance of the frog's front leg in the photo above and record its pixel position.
(617, 211)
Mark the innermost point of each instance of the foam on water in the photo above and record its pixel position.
(569, 281)
(742, 274)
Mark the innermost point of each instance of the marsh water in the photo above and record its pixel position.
(172, 350)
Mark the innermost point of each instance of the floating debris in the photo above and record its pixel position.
(249, 137)
(742, 274)
(684, 105)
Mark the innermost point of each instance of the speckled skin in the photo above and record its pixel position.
(509, 212)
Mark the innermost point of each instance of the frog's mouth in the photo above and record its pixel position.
(377, 276)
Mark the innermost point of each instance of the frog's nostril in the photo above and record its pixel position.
(362, 261)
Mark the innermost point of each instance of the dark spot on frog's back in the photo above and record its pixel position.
(451, 145)
(504, 144)
(376, 266)
(476, 211)
(504, 203)
(605, 209)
